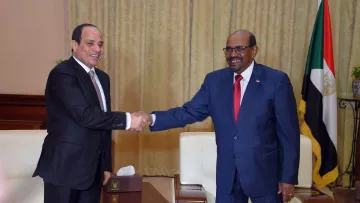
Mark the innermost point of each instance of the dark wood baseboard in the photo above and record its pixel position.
(188, 193)
(22, 112)
(345, 195)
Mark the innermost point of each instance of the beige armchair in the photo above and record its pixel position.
(19, 154)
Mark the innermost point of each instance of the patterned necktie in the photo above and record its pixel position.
(92, 77)
(237, 96)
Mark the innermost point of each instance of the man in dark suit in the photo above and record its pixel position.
(256, 125)
(76, 155)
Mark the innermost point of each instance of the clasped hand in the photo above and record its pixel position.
(139, 121)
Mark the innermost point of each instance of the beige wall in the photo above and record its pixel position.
(32, 38)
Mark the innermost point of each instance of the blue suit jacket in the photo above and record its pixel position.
(264, 144)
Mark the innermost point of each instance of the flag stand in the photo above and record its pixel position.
(354, 103)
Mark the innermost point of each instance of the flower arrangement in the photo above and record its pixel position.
(356, 72)
(356, 81)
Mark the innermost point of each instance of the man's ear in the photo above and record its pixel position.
(74, 45)
(254, 51)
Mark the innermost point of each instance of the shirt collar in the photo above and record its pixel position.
(247, 73)
(87, 69)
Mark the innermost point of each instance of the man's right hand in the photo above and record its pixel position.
(140, 120)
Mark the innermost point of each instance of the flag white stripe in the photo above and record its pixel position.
(330, 104)
(317, 78)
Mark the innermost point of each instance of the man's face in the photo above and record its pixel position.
(240, 59)
(90, 49)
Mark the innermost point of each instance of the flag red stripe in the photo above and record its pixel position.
(328, 50)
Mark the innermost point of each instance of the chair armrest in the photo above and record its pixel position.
(312, 195)
(185, 193)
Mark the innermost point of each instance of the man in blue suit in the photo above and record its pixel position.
(256, 125)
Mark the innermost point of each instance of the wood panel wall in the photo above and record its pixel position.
(22, 112)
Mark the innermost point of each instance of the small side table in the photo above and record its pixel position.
(149, 194)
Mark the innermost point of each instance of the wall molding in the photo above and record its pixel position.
(22, 112)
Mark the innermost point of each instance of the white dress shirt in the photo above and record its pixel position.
(246, 78)
(87, 69)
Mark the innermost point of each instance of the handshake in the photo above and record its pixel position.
(139, 121)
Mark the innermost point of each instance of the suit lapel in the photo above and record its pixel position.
(250, 94)
(227, 93)
(85, 82)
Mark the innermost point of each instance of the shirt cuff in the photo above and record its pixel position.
(128, 121)
(153, 116)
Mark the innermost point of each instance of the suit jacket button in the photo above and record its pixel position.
(235, 137)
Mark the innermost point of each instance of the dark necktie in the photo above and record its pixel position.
(237, 96)
(92, 77)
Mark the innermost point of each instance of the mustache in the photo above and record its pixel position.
(232, 58)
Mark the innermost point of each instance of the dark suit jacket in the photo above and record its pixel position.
(264, 145)
(79, 132)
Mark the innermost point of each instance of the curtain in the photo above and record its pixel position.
(157, 53)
